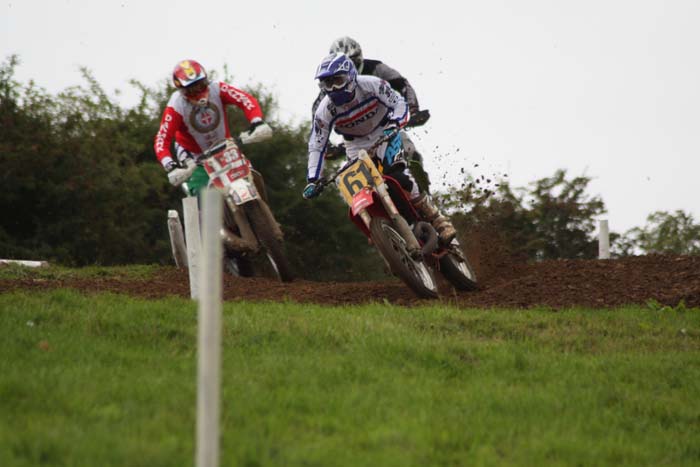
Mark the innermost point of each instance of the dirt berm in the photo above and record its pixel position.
(591, 283)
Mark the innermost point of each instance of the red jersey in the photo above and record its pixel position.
(196, 128)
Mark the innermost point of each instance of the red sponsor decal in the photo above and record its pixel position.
(361, 200)
(160, 138)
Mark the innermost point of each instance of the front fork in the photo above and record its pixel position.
(399, 222)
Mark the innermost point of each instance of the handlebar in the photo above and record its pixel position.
(325, 181)
(185, 170)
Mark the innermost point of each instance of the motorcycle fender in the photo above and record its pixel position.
(361, 200)
(242, 191)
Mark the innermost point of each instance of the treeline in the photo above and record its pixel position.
(555, 218)
(81, 185)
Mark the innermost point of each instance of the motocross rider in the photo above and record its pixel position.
(363, 109)
(196, 118)
(365, 66)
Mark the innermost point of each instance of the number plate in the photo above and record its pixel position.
(227, 166)
(361, 173)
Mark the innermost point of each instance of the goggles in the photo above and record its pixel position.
(196, 88)
(333, 83)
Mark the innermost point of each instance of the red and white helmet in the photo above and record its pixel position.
(191, 79)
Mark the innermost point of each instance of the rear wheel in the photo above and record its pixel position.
(415, 274)
(274, 247)
(456, 268)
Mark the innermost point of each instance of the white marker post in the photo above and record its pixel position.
(191, 212)
(603, 240)
(177, 239)
(209, 331)
(24, 262)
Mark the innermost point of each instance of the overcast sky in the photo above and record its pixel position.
(605, 88)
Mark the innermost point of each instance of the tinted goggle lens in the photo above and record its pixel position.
(334, 82)
(196, 88)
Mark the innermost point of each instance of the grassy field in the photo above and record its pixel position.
(108, 380)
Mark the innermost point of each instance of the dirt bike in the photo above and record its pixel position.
(382, 210)
(249, 226)
(415, 160)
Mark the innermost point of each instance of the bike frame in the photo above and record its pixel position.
(370, 202)
(362, 187)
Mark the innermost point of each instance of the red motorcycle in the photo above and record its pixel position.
(409, 245)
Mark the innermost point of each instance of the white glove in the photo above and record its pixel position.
(259, 131)
(178, 176)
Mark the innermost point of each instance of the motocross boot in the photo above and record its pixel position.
(427, 210)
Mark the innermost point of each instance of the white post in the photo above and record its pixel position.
(209, 331)
(177, 239)
(603, 240)
(24, 262)
(191, 212)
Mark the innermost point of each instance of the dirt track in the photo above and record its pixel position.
(564, 283)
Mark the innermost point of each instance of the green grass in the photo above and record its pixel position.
(107, 380)
(15, 271)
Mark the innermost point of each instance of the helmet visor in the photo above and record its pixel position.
(333, 83)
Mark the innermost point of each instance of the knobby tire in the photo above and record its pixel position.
(260, 224)
(399, 260)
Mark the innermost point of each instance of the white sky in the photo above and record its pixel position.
(605, 88)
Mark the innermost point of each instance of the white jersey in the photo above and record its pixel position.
(361, 121)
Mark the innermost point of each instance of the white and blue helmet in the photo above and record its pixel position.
(350, 47)
(337, 77)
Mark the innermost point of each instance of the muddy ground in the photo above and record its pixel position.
(557, 284)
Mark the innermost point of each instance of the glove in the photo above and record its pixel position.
(312, 190)
(418, 118)
(170, 166)
(178, 176)
(258, 131)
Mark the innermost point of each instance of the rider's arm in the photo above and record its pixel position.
(318, 141)
(231, 95)
(394, 101)
(316, 103)
(399, 83)
(169, 124)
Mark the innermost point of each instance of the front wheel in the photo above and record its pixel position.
(415, 274)
(274, 247)
(238, 266)
(456, 268)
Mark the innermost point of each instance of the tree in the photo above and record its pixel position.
(664, 233)
(82, 181)
(564, 217)
(554, 218)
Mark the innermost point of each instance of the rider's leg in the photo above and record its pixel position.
(415, 163)
(395, 165)
(427, 210)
